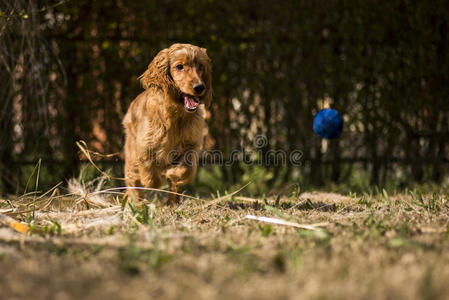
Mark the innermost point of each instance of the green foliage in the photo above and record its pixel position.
(36, 172)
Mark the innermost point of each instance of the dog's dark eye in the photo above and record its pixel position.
(200, 67)
(179, 67)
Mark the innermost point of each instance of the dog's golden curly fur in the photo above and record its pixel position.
(164, 124)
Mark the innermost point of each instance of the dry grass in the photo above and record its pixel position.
(87, 245)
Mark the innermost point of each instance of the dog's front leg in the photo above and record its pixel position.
(144, 172)
(177, 176)
(173, 188)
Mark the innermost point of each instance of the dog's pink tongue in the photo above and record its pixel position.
(190, 102)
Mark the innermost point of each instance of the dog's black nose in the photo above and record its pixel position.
(199, 88)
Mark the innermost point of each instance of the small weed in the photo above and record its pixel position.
(296, 192)
(366, 199)
(53, 229)
(124, 202)
(352, 195)
(386, 197)
(265, 230)
(37, 168)
(144, 214)
(111, 230)
(431, 204)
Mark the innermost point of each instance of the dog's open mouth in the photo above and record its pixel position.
(190, 103)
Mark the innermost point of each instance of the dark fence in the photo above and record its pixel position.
(69, 71)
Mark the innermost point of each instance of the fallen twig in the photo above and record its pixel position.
(286, 223)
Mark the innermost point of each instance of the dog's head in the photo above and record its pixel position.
(183, 71)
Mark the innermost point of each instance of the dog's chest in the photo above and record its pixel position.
(178, 139)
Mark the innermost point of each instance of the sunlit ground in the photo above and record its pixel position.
(91, 246)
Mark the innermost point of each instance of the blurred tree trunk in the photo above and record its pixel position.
(7, 166)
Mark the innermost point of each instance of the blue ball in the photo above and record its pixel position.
(328, 123)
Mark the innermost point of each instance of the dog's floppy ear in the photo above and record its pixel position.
(158, 72)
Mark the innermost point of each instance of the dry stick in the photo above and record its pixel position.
(52, 189)
(44, 194)
(83, 147)
(286, 223)
(140, 188)
(55, 191)
(247, 199)
(215, 201)
(47, 204)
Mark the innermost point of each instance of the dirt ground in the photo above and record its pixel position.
(357, 247)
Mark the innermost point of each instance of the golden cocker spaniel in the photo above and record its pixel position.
(164, 124)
